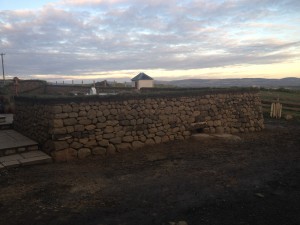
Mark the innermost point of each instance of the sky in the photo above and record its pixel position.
(168, 40)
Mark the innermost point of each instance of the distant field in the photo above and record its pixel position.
(290, 100)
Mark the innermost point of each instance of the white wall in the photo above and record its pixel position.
(143, 83)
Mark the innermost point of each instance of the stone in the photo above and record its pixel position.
(60, 130)
(212, 130)
(116, 140)
(78, 127)
(157, 139)
(182, 223)
(109, 129)
(98, 151)
(84, 152)
(210, 123)
(33, 148)
(82, 113)
(160, 133)
(59, 145)
(11, 164)
(108, 136)
(111, 150)
(57, 123)
(70, 129)
(91, 114)
(85, 122)
(36, 160)
(101, 125)
(288, 117)
(91, 143)
(137, 144)
(228, 137)
(73, 114)
(123, 146)
(57, 109)
(61, 116)
(147, 121)
(10, 151)
(186, 133)
(201, 136)
(219, 130)
(84, 140)
(165, 139)
(64, 155)
(67, 108)
(10, 158)
(76, 145)
(234, 130)
(128, 139)
(120, 133)
(70, 121)
(150, 142)
(142, 138)
(217, 123)
(90, 127)
(252, 129)
(103, 143)
(101, 119)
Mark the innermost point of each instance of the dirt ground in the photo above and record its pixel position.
(253, 181)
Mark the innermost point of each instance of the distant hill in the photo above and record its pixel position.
(243, 82)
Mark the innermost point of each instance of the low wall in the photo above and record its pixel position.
(71, 128)
(68, 89)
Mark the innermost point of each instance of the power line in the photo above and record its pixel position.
(2, 55)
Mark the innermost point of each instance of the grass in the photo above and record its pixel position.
(290, 100)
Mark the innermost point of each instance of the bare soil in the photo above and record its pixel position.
(254, 181)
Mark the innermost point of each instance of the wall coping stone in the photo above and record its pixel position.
(160, 93)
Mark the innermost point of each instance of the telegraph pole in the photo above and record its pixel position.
(2, 54)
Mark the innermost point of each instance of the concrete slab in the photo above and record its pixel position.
(10, 158)
(36, 160)
(33, 154)
(24, 159)
(11, 164)
(228, 137)
(13, 139)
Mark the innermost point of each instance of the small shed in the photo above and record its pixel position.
(142, 80)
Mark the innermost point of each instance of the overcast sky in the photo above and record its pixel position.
(101, 39)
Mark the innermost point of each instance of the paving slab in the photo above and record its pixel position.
(36, 160)
(13, 139)
(33, 154)
(10, 158)
(11, 164)
(24, 159)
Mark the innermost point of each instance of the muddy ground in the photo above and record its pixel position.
(253, 181)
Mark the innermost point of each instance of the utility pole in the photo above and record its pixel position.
(2, 54)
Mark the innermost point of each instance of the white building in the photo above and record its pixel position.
(142, 80)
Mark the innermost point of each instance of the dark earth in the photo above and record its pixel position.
(253, 181)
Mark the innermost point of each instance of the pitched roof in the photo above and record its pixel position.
(141, 76)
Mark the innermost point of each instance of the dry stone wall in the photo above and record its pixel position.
(70, 130)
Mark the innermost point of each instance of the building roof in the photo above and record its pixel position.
(141, 76)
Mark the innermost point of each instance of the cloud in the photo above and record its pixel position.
(79, 37)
